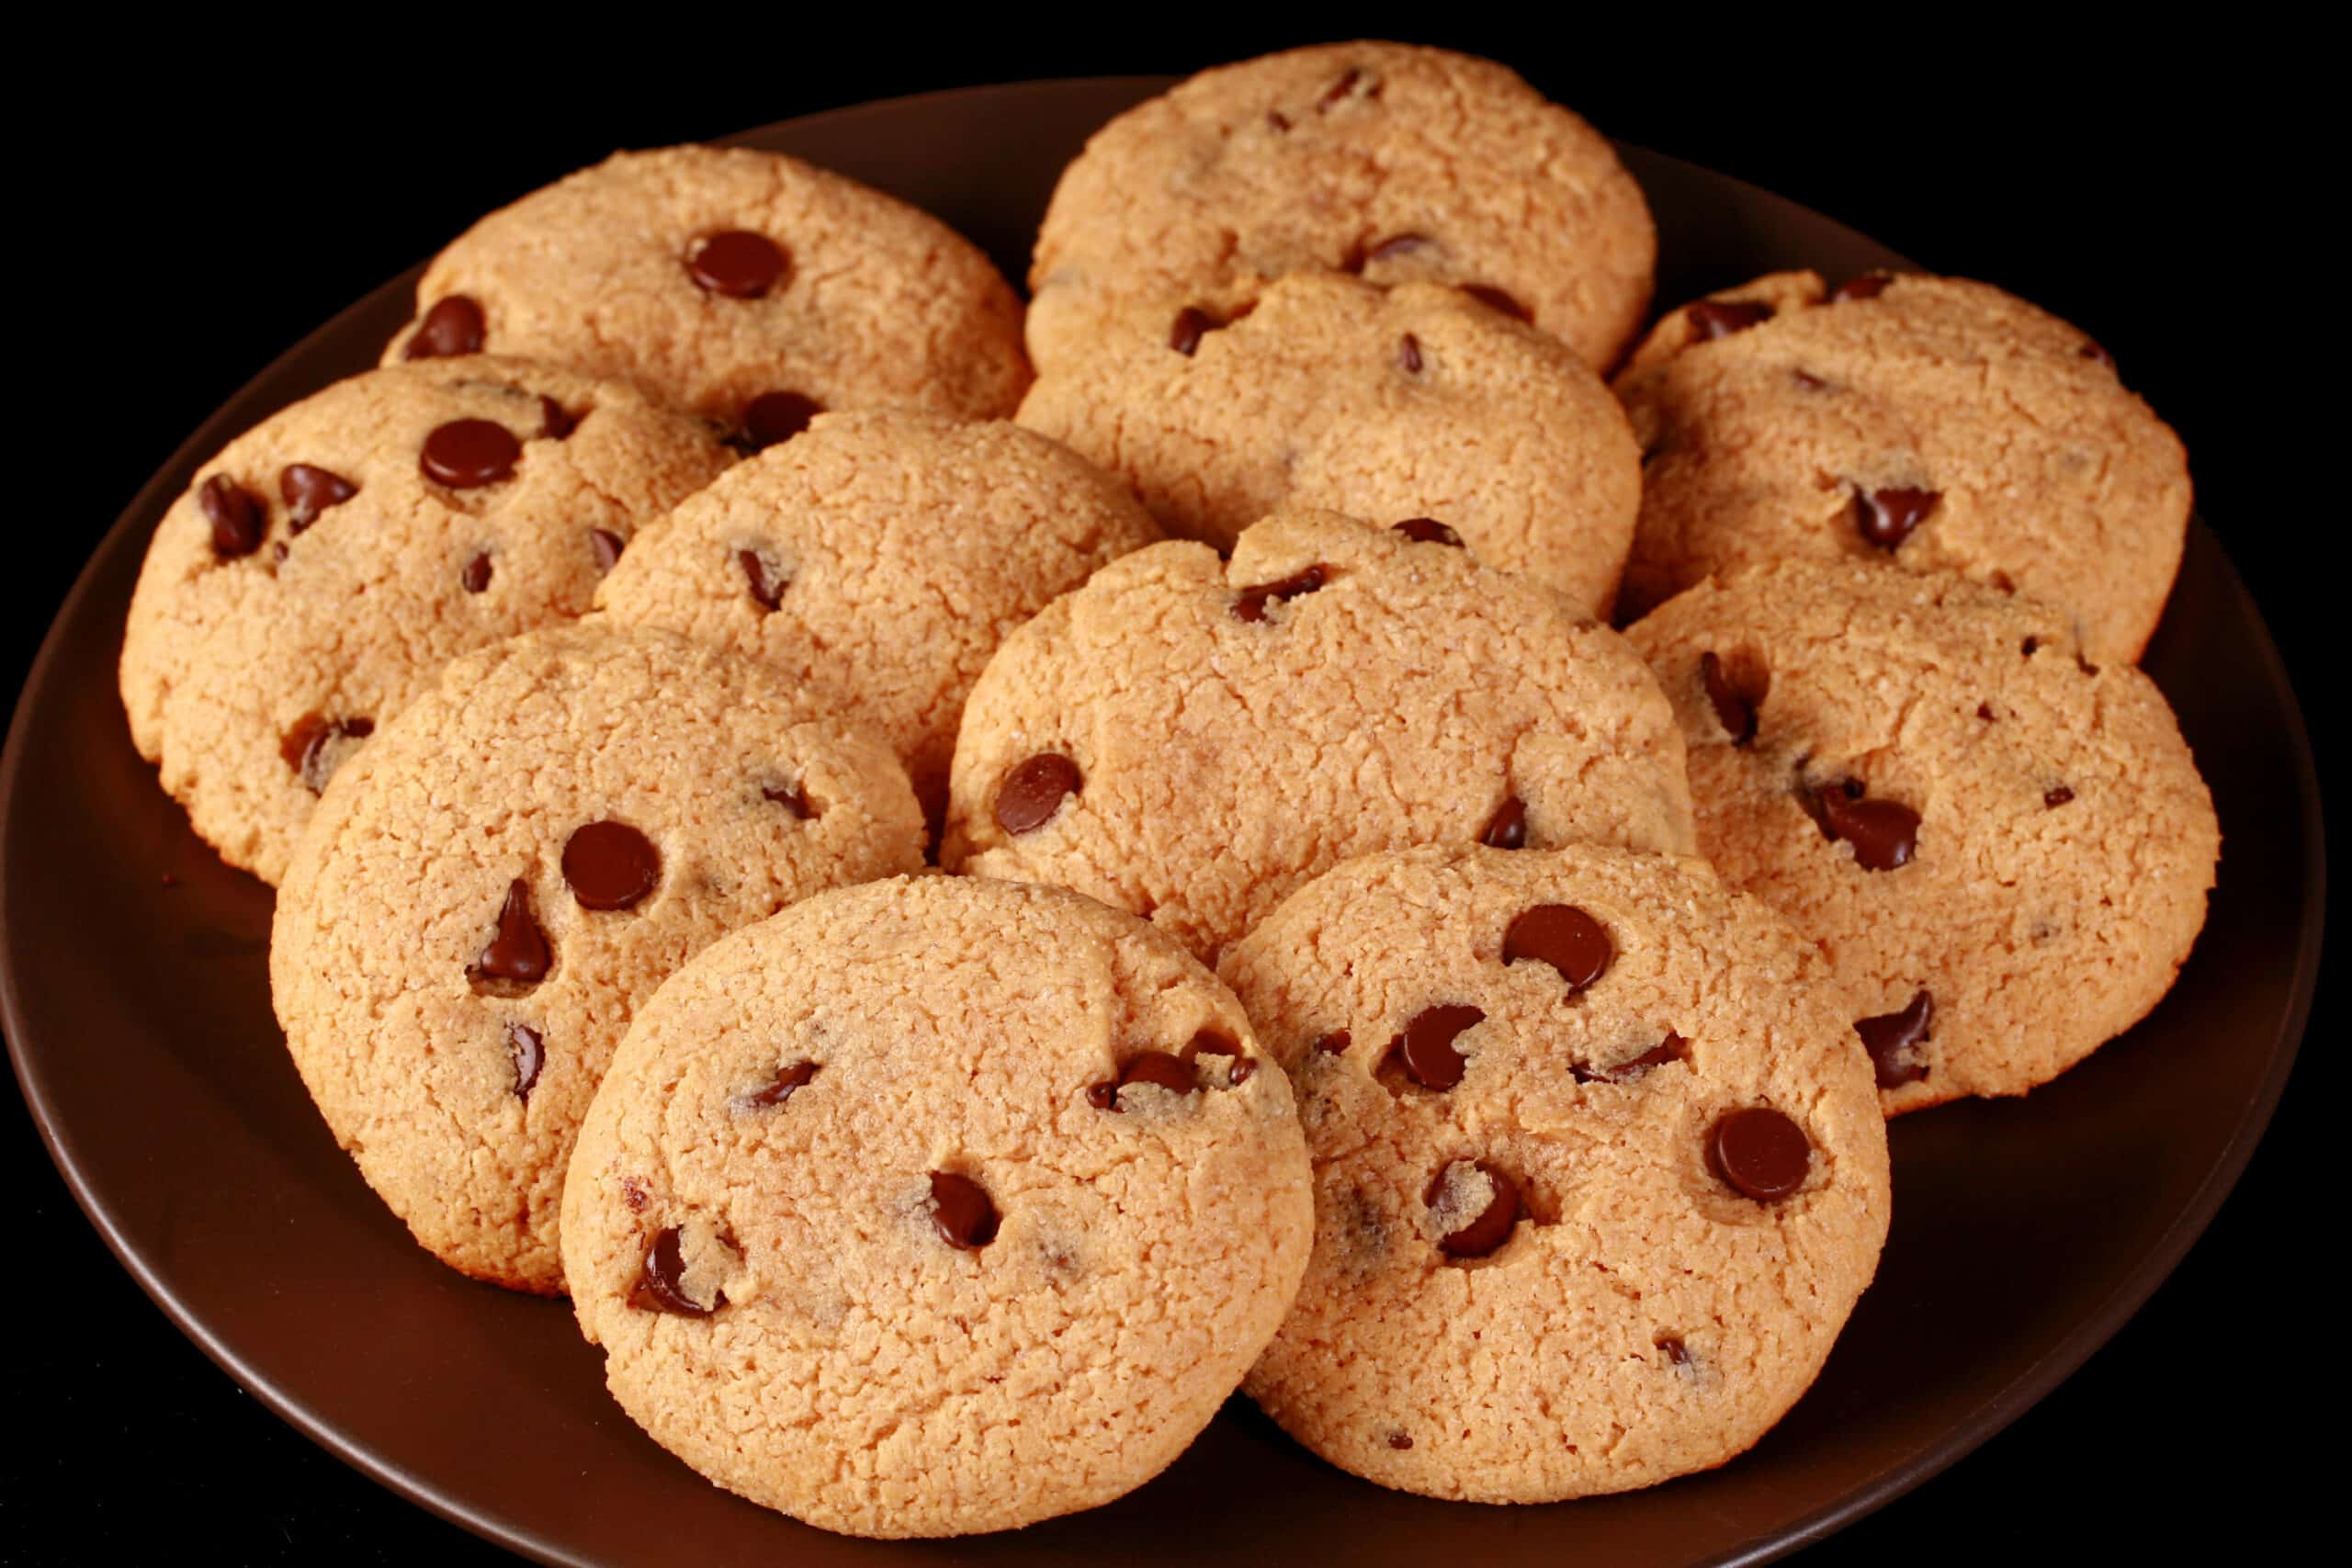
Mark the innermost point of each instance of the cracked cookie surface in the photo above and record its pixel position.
(935, 1206)
(2003, 848)
(490, 888)
(1600, 1172)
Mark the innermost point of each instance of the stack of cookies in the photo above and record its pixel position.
(966, 885)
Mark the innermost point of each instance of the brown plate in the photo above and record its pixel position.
(136, 1002)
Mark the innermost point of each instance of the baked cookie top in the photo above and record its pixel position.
(1929, 422)
(325, 565)
(881, 557)
(489, 889)
(1191, 738)
(1389, 161)
(749, 287)
(2003, 848)
(935, 1206)
(1599, 1169)
(1386, 404)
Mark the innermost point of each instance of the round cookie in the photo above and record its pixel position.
(749, 287)
(1598, 1171)
(490, 888)
(1386, 404)
(2003, 849)
(935, 1206)
(880, 558)
(329, 561)
(1396, 163)
(1929, 422)
(1191, 738)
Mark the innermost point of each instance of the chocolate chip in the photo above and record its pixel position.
(2056, 796)
(1884, 833)
(1870, 286)
(1033, 791)
(1759, 1153)
(608, 547)
(1334, 1043)
(2096, 355)
(961, 1212)
(1409, 355)
(1673, 1048)
(1428, 531)
(610, 865)
(1192, 324)
(1712, 319)
(1675, 1351)
(1506, 829)
(778, 1089)
(737, 264)
(661, 1284)
(556, 422)
(518, 951)
(453, 326)
(1984, 712)
(793, 798)
(1337, 91)
(1239, 1068)
(1891, 1038)
(2030, 646)
(1494, 298)
(1563, 937)
(1399, 1442)
(774, 418)
(1887, 517)
(235, 516)
(309, 490)
(526, 1053)
(1277, 120)
(476, 576)
(1252, 604)
(1426, 1047)
(308, 745)
(1491, 1226)
(466, 454)
(768, 581)
(1164, 1069)
(1735, 709)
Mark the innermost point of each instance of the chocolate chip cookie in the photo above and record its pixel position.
(935, 1206)
(490, 888)
(1417, 402)
(1599, 1169)
(880, 558)
(1391, 162)
(1930, 423)
(2001, 845)
(326, 564)
(1191, 739)
(749, 287)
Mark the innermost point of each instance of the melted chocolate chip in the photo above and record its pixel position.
(1759, 1153)
(1491, 1226)
(526, 1052)
(1428, 531)
(1409, 355)
(779, 1088)
(1399, 1442)
(308, 748)
(1252, 604)
(1239, 1068)
(737, 264)
(1033, 791)
(1735, 709)
(608, 547)
(1426, 1047)
(556, 422)
(453, 326)
(1164, 1069)
(518, 951)
(235, 516)
(1885, 517)
(1334, 1043)
(1563, 937)
(1506, 829)
(467, 454)
(610, 865)
(308, 491)
(476, 576)
(661, 1284)
(1494, 298)
(1884, 833)
(774, 418)
(1712, 319)
(1892, 1040)
(2056, 796)
(1192, 324)
(1673, 1048)
(768, 581)
(793, 798)
(961, 1212)
(1870, 286)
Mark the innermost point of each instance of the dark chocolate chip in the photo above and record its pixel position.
(1426, 1047)
(476, 576)
(737, 264)
(236, 518)
(1759, 1153)
(1712, 319)
(526, 1053)
(1428, 531)
(661, 1284)
(961, 1212)
(768, 581)
(309, 490)
(1490, 1227)
(518, 951)
(1033, 791)
(793, 798)
(1563, 937)
(556, 422)
(1673, 1048)
(308, 745)
(466, 454)
(1735, 709)
(1675, 1351)
(1337, 91)
(773, 418)
(1399, 1442)
(1409, 355)
(453, 326)
(1891, 1039)
(1870, 286)
(608, 547)
(1239, 1068)
(779, 1088)
(1494, 298)
(2056, 796)
(1334, 1043)
(1252, 604)
(1506, 829)
(610, 865)
(1884, 833)
(1887, 517)
(1192, 324)
(1164, 1069)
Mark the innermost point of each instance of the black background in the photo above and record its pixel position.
(202, 210)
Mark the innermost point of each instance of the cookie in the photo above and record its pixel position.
(509, 868)
(935, 1206)
(1598, 1169)
(1191, 738)
(1930, 423)
(752, 288)
(2003, 846)
(326, 564)
(1387, 405)
(1394, 162)
(880, 558)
